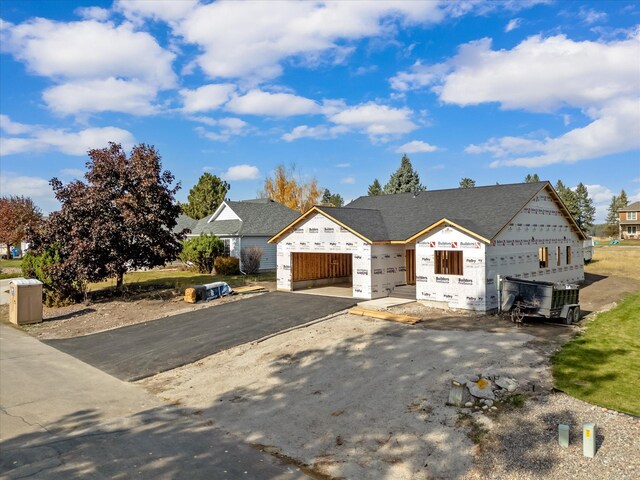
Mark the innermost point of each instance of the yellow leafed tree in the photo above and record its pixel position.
(291, 192)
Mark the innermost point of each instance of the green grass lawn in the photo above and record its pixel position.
(178, 280)
(602, 365)
(13, 263)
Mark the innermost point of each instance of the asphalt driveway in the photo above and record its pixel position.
(138, 351)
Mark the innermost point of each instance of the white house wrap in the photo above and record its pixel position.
(451, 244)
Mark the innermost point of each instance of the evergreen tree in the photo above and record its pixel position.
(531, 178)
(623, 201)
(331, 200)
(206, 196)
(569, 199)
(585, 207)
(467, 183)
(405, 179)
(375, 189)
(612, 221)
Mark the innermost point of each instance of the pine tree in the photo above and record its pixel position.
(585, 207)
(206, 196)
(531, 178)
(569, 199)
(405, 179)
(331, 200)
(612, 221)
(623, 201)
(375, 189)
(467, 183)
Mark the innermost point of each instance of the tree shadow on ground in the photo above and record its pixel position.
(369, 406)
(159, 443)
(67, 316)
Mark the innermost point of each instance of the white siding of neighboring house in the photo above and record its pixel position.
(466, 291)
(226, 214)
(269, 251)
(514, 251)
(318, 234)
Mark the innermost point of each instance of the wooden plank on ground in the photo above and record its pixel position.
(249, 289)
(394, 317)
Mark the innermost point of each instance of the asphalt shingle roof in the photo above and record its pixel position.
(634, 207)
(259, 217)
(482, 210)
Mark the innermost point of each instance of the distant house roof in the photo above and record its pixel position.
(634, 207)
(483, 211)
(259, 218)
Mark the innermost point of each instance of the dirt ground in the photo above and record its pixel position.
(107, 314)
(353, 397)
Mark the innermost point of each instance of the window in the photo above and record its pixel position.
(632, 215)
(227, 247)
(558, 250)
(448, 262)
(543, 257)
(631, 229)
(568, 255)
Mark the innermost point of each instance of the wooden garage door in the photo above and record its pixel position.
(314, 266)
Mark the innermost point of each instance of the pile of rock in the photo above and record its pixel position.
(480, 390)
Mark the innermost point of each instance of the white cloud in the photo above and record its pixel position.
(513, 24)
(378, 121)
(165, 10)
(601, 197)
(13, 128)
(241, 172)
(259, 102)
(36, 188)
(41, 139)
(614, 130)
(228, 127)
(343, 165)
(207, 97)
(251, 39)
(319, 132)
(93, 13)
(545, 75)
(348, 180)
(111, 94)
(591, 16)
(117, 60)
(416, 146)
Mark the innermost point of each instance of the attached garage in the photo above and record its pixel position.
(319, 269)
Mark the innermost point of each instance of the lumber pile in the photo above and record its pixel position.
(249, 289)
(394, 317)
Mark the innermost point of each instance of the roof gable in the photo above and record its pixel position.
(634, 207)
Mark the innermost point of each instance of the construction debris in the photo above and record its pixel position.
(394, 317)
(469, 390)
(249, 289)
(208, 291)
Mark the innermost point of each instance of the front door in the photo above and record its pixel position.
(411, 266)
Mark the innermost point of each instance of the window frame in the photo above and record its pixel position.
(568, 249)
(226, 251)
(543, 257)
(630, 227)
(630, 217)
(448, 262)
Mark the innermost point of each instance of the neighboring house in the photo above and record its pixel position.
(630, 221)
(451, 244)
(244, 224)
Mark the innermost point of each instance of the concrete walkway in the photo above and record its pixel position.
(138, 351)
(62, 418)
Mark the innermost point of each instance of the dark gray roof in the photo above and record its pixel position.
(482, 210)
(260, 217)
(367, 222)
(185, 222)
(634, 207)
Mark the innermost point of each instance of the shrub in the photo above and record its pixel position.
(202, 252)
(227, 265)
(61, 286)
(251, 257)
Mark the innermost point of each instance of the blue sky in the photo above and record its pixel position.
(482, 89)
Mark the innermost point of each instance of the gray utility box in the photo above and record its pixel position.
(25, 301)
